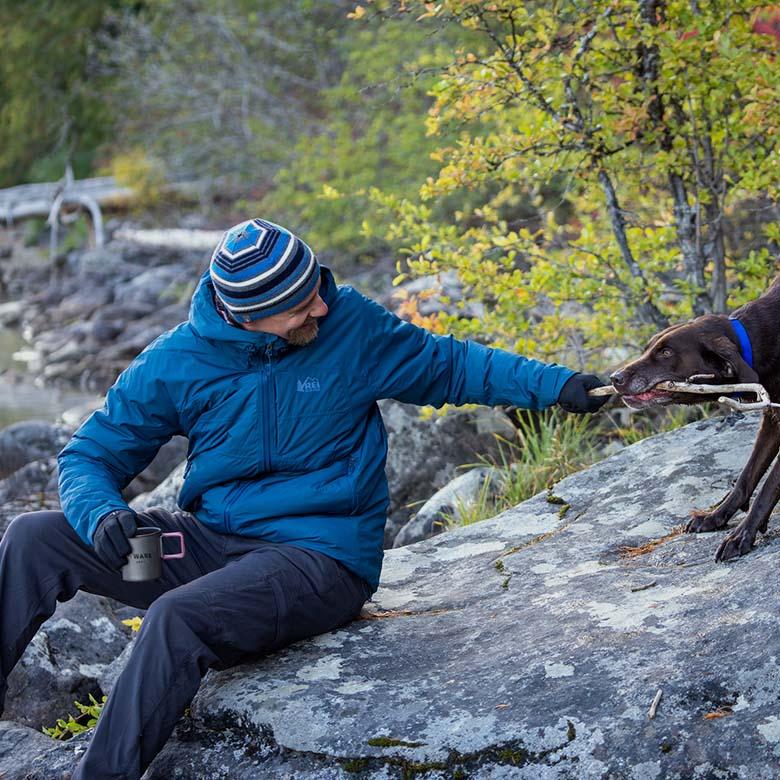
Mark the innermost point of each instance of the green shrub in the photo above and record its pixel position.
(86, 720)
(550, 446)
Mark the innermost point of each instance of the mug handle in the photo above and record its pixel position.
(179, 554)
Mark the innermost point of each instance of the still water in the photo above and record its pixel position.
(24, 400)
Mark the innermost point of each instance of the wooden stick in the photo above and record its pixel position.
(654, 705)
(606, 390)
(763, 401)
(637, 588)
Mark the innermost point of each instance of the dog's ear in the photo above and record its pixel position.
(733, 364)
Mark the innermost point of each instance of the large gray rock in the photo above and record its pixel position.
(64, 662)
(444, 293)
(29, 440)
(529, 646)
(165, 494)
(424, 454)
(446, 506)
(167, 459)
(31, 488)
(26, 754)
(153, 285)
(11, 313)
(523, 646)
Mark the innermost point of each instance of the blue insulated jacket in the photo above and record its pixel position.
(286, 444)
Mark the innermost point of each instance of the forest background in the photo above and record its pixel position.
(588, 172)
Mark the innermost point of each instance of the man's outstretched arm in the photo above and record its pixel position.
(413, 365)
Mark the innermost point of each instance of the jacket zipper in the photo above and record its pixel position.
(266, 423)
(255, 356)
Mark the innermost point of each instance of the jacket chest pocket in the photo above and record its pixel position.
(302, 395)
(313, 414)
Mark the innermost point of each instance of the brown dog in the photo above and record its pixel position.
(721, 347)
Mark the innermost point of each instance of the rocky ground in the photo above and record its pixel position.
(528, 646)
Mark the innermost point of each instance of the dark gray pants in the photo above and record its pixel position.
(230, 599)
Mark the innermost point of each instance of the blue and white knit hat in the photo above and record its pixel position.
(259, 269)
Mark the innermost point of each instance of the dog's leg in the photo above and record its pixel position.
(764, 451)
(741, 539)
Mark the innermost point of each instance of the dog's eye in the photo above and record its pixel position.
(665, 352)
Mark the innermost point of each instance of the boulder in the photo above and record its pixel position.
(424, 454)
(26, 754)
(106, 260)
(532, 646)
(82, 303)
(165, 494)
(64, 662)
(446, 506)
(75, 415)
(29, 440)
(527, 646)
(31, 488)
(123, 312)
(153, 285)
(11, 313)
(442, 292)
(167, 459)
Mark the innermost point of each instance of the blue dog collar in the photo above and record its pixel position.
(744, 340)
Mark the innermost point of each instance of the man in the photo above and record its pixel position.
(274, 379)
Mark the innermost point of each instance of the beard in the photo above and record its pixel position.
(305, 334)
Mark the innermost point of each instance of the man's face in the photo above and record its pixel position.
(298, 325)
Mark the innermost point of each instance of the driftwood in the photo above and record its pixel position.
(47, 199)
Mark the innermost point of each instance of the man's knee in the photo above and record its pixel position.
(32, 528)
(177, 615)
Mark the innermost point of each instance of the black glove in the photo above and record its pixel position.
(110, 540)
(574, 394)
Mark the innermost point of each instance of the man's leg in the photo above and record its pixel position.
(43, 561)
(265, 597)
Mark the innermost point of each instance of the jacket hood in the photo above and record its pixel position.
(208, 323)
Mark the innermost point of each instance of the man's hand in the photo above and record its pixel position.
(111, 537)
(574, 394)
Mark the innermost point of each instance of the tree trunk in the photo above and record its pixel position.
(715, 249)
(715, 245)
(647, 310)
(693, 258)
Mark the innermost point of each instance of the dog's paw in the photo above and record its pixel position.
(739, 542)
(703, 521)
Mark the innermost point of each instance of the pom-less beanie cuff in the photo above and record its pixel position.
(260, 269)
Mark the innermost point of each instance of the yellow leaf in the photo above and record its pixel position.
(329, 193)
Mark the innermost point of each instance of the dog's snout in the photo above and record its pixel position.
(618, 380)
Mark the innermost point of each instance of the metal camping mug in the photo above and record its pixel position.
(146, 554)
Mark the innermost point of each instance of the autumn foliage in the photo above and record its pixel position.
(617, 162)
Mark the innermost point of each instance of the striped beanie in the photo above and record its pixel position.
(259, 269)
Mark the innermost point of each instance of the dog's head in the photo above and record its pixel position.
(706, 346)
